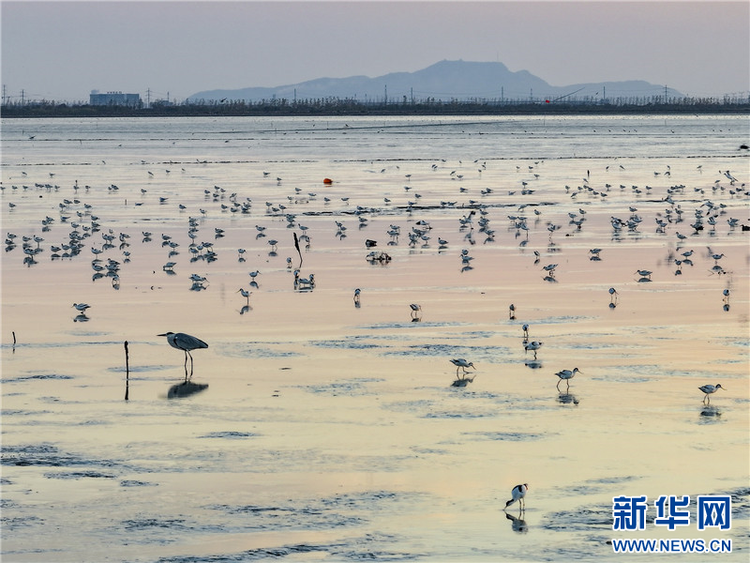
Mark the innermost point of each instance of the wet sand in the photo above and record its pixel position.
(333, 432)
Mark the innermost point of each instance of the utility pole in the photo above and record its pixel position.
(148, 97)
(665, 93)
(23, 95)
(385, 100)
(4, 87)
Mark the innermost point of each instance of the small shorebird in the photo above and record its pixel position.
(245, 293)
(184, 342)
(81, 307)
(709, 389)
(534, 345)
(415, 310)
(460, 363)
(356, 296)
(518, 493)
(567, 375)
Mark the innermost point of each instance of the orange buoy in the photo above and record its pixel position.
(327, 181)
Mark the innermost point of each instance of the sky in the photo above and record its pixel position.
(61, 50)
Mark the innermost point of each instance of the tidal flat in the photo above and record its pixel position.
(317, 426)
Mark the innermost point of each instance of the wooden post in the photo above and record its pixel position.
(127, 371)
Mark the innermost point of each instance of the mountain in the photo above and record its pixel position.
(445, 80)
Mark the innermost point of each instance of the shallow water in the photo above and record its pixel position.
(327, 431)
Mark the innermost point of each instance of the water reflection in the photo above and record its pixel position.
(710, 414)
(518, 524)
(185, 389)
(463, 381)
(567, 398)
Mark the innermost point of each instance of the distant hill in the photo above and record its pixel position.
(446, 80)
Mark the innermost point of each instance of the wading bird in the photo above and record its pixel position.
(518, 493)
(460, 363)
(567, 375)
(245, 293)
(185, 342)
(534, 345)
(708, 390)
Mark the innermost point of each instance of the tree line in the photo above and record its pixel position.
(333, 106)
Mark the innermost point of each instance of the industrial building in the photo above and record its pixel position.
(114, 99)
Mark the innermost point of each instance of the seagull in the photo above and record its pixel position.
(185, 342)
(567, 375)
(709, 389)
(518, 493)
(460, 363)
(415, 310)
(81, 307)
(356, 296)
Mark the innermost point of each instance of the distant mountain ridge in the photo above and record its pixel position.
(445, 80)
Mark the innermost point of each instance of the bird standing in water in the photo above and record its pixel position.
(518, 493)
(708, 390)
(185, 342)
(567, 375)
(460, 363)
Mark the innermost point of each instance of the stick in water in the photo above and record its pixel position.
(127, 371)
(296, 245)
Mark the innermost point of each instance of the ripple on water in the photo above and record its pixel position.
(356, 387)
(231, 434)
(38, 377)
(487, 354)
(258, 350)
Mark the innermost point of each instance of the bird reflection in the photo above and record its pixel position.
(185, 389)
(518, 524)
(567, 398)
(710, 414)
(463, 381)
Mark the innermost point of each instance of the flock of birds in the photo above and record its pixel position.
(87, 229)
(86, 226)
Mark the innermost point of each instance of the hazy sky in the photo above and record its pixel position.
(63, 50)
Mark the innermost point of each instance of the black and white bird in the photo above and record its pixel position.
(518, 493)
(566, 375)
(709, 389)
(461, 363)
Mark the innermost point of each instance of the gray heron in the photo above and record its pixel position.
(185, 342)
